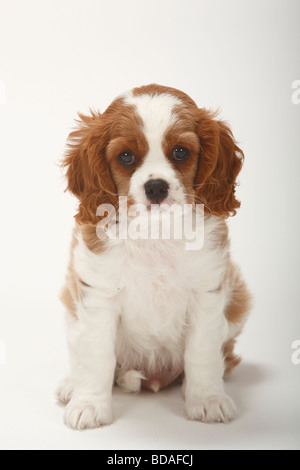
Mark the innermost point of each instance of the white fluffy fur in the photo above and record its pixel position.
(149, 304)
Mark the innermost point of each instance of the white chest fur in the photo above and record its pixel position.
(149, 284)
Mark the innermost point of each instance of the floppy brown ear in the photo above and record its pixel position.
(220, 162)
(88, 174)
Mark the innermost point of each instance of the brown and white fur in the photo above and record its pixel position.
(142, 313)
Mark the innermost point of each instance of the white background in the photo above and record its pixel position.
(58, 57)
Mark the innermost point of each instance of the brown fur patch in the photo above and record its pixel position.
(236, 312)
(241, 299)
(220, 162)
(91, 239)
(68, 301)
(73, 289)
(186, 170)
(70, 292)
(231, 360)
(136, 143)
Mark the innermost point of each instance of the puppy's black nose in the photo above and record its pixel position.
(156, 190)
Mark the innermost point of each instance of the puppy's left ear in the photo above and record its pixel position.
(220, 162)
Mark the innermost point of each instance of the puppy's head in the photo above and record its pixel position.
(154, 145)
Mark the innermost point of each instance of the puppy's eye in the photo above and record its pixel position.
(127, 158)
(180, 154)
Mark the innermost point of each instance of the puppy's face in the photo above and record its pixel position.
(155, 159)
(155, 146)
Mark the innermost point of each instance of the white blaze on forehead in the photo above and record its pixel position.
(156, 113)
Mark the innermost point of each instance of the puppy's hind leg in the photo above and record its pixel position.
(236, 312)
(130, 381)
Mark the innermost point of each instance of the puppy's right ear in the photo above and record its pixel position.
(76, 158)
(88, 174)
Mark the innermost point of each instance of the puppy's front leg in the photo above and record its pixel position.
(205, 398)
(92, 354)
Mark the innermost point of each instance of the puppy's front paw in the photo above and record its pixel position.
(87, 414)
(211, 409)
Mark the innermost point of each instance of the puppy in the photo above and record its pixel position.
(145, 311)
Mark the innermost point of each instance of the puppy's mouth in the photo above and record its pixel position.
(161, 205)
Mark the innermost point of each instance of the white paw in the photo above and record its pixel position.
(64, 391)
(130, 381)
(87, 413)
(211, 409)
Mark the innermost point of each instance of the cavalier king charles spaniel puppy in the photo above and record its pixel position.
(144, 312)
